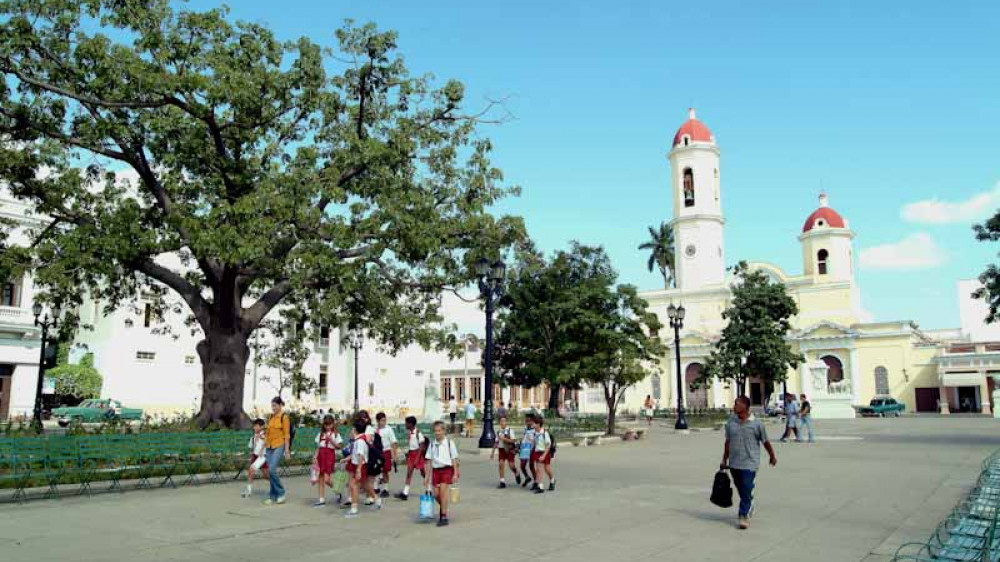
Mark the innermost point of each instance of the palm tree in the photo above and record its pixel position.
(661, 252)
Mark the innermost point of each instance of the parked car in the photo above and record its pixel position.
(775, 405)
(882, 407)
(95, 410)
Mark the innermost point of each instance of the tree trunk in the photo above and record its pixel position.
(224, 358)
(612, 412)
(554, 399)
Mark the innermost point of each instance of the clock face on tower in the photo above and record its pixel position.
(690, 250)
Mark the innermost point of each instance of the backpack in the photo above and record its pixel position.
(552, 446)
(425, 443)
(291, 430)
(376, 462)
(722, 493)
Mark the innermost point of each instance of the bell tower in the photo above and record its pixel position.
(698, 222)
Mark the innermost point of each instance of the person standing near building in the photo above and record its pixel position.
(501, 411)
(791, 419)
(278, 442)
(452, 411)
(648, 409)
(805, 415)
(741, 454)
(470, 417)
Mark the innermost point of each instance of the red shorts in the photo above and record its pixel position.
(536, 456)
(352, 470)
(253, 459)
(414, 460)
(443, 475)
(507, 455)
(326, 458)
(387, 465)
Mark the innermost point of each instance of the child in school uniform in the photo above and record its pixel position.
(443, 455)
(327, 442)
(389, 448)
(542, 456)
(527, 447)
(357, 468)
(257, 461)
(506, 442)
(415, 450)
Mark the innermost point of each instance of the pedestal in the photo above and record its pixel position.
(830, 407)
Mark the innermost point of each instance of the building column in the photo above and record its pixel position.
(718, 400)
(984, 395)
(945, 409)
(855, 376)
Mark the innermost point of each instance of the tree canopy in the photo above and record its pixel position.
(181, 148)
(661, 252)
(989, 231)
(81, 380)
(753, 342)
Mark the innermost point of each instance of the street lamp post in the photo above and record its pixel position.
(355, 341)
(490, 287)
(44, 323)
(676, 314)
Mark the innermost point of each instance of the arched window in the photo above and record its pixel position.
(686, 139)
(8, 295)
(695, 398)
(881, 380)
(656, 386)
(688, 187)
(834, 369)
(716, 185)
(822, 257)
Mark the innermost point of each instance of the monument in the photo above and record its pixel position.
(432, 401)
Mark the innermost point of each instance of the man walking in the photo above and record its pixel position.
(741, 455)
(470, 417)
(791, 418)
(805, 414)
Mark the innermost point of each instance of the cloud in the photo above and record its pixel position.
(916, 251)
(935, 211)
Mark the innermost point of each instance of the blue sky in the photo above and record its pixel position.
(891, 107)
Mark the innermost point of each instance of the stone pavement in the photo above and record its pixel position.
(866, 487)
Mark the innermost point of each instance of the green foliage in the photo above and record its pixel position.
(81, 380)
(278, 173)
(661, 252)
(989, 231)
(753, 342)
(283, 348)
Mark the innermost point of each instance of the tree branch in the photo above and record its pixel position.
(253, 315)
(187, 291)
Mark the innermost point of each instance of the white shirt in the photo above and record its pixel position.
(331, 440)
(256, 444)
(414, 440)
(370, 430)
(388, 437)
(441, 454)
(507, 432)
(543, 440)
(452, 407)
(359, 451)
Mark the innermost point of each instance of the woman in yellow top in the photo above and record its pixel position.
(276, 440)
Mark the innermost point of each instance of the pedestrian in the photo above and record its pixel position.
(470, 417)
(741, 455)
(506, 442)
(258, 461)
(805, 417)
(527, 447)
(452, 411)
(443, 455)
(791, 419)
(648, 407)
(327, 442)
(541, 457)
(416, 448)
(389, 448)
(369, 428)
(357, 471)
(501, 411)
(278, 442)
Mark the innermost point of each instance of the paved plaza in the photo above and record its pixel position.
(863, 489)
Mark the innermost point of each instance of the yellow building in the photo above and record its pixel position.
(848, 360)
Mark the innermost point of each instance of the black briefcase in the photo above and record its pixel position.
(722, 492)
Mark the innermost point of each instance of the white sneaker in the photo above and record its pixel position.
(280, 500)
(247, 492)
(319, 503)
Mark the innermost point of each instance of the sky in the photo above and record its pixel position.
(890, 107)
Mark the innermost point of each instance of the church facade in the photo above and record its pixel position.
(848, 360)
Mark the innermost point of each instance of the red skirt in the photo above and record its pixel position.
(387, 465)
(326, 458)
(352, 470)
(414, 460)
(536, 456)
(444, 475)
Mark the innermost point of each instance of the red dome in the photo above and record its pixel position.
(829, 217)
(694, 129)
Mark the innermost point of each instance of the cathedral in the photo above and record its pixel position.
(848, 360)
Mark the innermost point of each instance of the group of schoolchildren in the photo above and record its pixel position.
(368, 458)
(535, 449)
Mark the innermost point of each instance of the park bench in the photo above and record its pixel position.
(587, 438)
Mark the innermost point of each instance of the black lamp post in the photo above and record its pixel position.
(354, 340)
(676, 314)
(44, 323)
(490, 280)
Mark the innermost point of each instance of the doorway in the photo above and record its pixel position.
(696, 398)
(968, 399)
(927, 399)
(6, 379)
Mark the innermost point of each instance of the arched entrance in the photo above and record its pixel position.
(834, 370)
(695, 398)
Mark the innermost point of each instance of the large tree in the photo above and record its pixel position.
(541, 313)
(989, 231)
(181, 148)
(661, 252)
(753, 342)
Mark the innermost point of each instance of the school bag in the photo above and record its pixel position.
(291, 430)
(426, 506)
(722, 493)
(552, 445)
(375, 459)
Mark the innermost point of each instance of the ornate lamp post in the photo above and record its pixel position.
(355, 341)
(676, 314)
(490, 280)
(44, 323)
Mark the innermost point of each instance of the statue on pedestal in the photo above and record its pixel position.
(432, 400)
